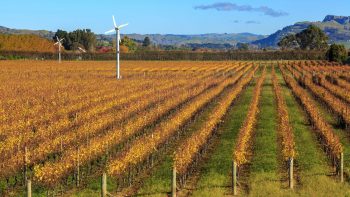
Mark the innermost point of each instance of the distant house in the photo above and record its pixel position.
(104, 49)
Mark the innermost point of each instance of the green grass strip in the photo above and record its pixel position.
(264, 177)
(214, 177)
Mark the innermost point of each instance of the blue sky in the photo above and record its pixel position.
(167, 16)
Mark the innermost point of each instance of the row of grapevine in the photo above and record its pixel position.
(75, 104)
(241, 151)
(143, 147)
(284, 127)
(90, 130)
(189, 149)
(336, 90)
(40, 146)
(97, 146)
(336, 104)
(340, 82)
(321, 80)
(285, 130)
(329, 140)
(61, 100)
(87, 120)
(63, 115)
(336, 80)
(62, 126)
(62, 97)
(65, 125)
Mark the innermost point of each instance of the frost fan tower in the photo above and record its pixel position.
(117, 30)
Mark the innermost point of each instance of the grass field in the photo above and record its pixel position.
(63, 125)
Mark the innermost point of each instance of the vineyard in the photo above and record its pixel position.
(174, 128)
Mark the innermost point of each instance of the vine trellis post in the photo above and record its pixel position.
(291, 168)
(173, 182)
(234, 178)
(29, 188)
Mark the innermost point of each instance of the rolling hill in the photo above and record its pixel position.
(25, 42)
(41, 33)
(159, 39)
(178, 40)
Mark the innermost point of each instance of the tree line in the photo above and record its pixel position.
(174, 55)
(83, 38)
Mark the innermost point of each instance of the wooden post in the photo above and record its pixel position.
(78, 168)
(104, 185)
(291, 169)
(342, 167)
(234, 178)
(25, 165)
(173, 182)
(29, 188)
(129, 176)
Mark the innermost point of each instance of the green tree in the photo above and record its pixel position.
(75, 46)
(146, 42)
(131, 44)
(337, 53)
(81, 37)
(289, 42)
(84, 37)
(312, 38)
(243, 46)
(63, 35)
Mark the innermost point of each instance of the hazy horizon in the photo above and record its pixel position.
(167, 17)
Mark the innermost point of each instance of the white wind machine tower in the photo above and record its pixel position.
(117, 30)
(59, 43)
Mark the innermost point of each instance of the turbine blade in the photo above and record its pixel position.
(82, 50)
(110, 31)
(56, 43)
(121, 26)
(115, 24)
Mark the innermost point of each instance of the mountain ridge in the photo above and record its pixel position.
(183, 39)
(160, 39)
(339, 19)
(337, 29)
